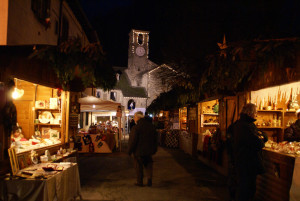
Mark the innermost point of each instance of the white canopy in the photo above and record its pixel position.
(93, 104)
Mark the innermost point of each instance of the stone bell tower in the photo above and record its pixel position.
(138, 50)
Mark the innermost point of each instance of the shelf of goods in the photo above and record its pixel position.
(274, 122)
(208, 115)
(42, 117)
(183, 118)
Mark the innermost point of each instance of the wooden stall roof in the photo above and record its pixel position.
(93, 104)
(15, 62)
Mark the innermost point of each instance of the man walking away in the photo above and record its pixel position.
(143, 144)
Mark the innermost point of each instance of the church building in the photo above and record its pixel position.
(141, 82)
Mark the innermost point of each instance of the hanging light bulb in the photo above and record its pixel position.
(17, 93)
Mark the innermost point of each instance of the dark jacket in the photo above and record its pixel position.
(292, 133)
(247, 146)
(131, 124)
(143, 139)
(147, 117)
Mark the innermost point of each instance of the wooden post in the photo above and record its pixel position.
(67, 115)
(120, 132)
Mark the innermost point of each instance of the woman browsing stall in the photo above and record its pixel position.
(292, 133)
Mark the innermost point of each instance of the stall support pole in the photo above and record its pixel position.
(120, 133)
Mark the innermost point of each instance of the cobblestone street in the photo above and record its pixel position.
(177, 176)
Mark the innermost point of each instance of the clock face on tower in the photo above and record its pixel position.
(140, 51)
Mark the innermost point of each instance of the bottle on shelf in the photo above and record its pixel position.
(289, 104)
(274, 105)
(274, 121)
(279, 121)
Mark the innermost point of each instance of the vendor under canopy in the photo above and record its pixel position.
(292, 133)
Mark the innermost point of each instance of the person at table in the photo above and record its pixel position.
(292, 133)
(143, 144)
(247, 153)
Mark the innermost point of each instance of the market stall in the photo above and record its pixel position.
(42, 120)
(276, 112)
(101, 136)
(208, 137)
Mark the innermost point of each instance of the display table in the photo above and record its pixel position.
(62, 186)
(281, 182)
(100, 145)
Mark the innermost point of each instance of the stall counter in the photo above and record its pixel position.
(281, 181)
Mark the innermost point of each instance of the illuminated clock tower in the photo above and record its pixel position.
(138, 50)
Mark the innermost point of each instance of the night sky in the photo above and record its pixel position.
(183, 32)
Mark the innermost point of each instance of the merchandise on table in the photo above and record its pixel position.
(284, 147)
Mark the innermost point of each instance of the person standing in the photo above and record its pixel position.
(248, 142)
(143, 144)
(131, 124)
(292, 133)
(147, 117)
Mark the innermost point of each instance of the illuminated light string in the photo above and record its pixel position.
(281, 93)
(164, 65)
(135, 97)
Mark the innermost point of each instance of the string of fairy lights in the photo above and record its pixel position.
(135, 36)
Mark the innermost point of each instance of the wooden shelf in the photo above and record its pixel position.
(46, 109)
(291, 112)
(210, 124)
(270, 127)
(213, 114)
(41, 124)
(269, 110)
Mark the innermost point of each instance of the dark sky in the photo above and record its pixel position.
(182, 32)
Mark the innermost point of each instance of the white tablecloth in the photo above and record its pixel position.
(63, 186)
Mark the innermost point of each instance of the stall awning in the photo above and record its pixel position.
(93, 104)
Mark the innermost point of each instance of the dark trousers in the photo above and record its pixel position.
(232, 180)
(140, 163)
(246, 185)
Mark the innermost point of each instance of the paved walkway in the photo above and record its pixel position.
(177, 177)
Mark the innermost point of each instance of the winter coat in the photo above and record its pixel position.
(247, 146)
(143, 139)
(131, 124)
(292, 133)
